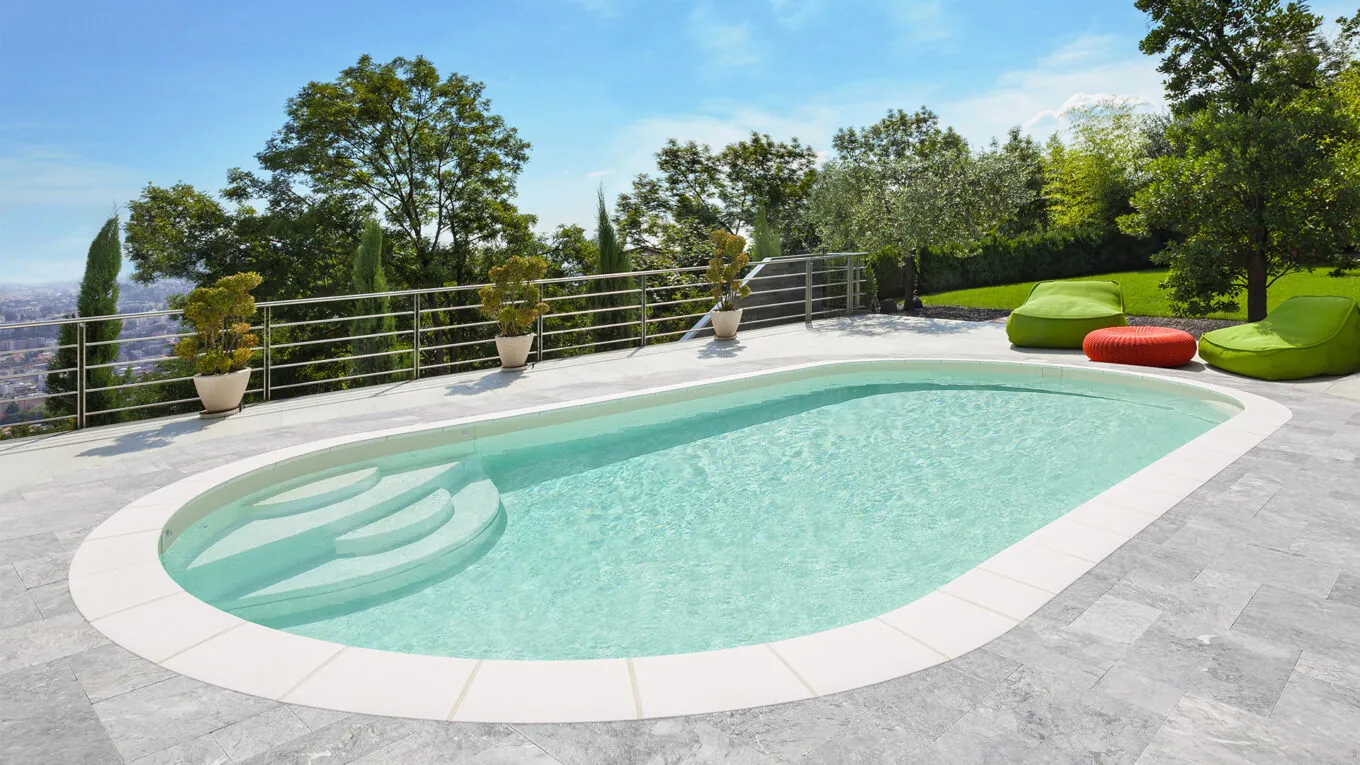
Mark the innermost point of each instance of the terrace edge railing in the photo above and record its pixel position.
(841, 279)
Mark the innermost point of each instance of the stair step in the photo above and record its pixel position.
(476, 508)
(314, 494)
(406, 525)
(268, 548)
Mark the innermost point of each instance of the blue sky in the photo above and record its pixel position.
(97, 99)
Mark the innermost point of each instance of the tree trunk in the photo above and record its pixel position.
(1256, 287)
(908, 282)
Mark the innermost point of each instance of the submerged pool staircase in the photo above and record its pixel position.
(349, 538)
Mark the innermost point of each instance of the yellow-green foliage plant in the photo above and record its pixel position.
(221, 314)
(724, 270)
(513, 298)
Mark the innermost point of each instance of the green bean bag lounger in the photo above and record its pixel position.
(1305, 336)
(1060, 314)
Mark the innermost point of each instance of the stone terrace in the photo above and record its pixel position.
(1226, 632)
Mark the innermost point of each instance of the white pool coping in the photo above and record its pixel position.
(119, 585)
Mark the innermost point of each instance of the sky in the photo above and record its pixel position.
(98, 99)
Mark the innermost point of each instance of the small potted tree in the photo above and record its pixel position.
(223, 343)
(514, 301)
(724, 274)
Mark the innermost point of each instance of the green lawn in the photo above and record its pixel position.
(1142, 296)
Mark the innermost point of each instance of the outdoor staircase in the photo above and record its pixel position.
(346, 538)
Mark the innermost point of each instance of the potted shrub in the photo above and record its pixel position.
(724, 273)
(223, 343)
(513, 300)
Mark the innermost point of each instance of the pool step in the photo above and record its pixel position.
(315, 494)
(272, 547)
(340, 580)
(406, 525)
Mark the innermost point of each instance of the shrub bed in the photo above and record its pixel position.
(1030, 257)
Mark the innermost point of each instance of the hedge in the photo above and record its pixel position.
(1030, 257)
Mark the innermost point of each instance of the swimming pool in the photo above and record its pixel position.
(736, 519)
(702, 547)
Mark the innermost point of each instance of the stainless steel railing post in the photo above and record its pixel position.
(849, 297)
(268, 326)
(643, 291)
(415, 335)
(80, 375)
(807, 290)
(539, 332)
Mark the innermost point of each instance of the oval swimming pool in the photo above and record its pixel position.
(784, 506)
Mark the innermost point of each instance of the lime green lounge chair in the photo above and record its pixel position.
(1303, 337)
(1060, 314)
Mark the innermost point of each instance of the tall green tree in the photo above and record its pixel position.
(1091, 179)
(369, 278)
(1261, 178)
(613, 259)
(424, 149)
(764, 238)
(98, 297)
(906, 183)
(699, 190)
(1026, 154)
(301, 243)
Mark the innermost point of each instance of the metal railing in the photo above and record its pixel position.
(438, 331)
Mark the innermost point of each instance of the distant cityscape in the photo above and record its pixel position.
(25, 353)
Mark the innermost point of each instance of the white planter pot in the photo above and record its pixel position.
(514, 350)
(222, 394)
(725, 323)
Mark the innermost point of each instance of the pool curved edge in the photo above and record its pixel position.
(120, 586)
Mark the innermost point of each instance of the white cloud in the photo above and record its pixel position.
(609, 8)
(599, 173)
(35, 176)
(1085, 69)
(795, 13)
(921, 21)
(724, 45)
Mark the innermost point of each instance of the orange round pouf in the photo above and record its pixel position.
(1144, 346)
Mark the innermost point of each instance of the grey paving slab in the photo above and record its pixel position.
(933, 699)
(260, 733)
(460, 745)
(111, 670)
(1228, 631)
(1346, 590)
(26, 547)
(340, 742)
(1204, 732)
(1080, 658)
(161, 715)
(1122, 683)
(52, 599)
(694, 740)
(16, 605)
(316, 719)
(203, 750)
(1034, 716)
(1328, 711)
(40, 641)
(45, 718)
(46, 569)
(1286, 617)
(1116, 619)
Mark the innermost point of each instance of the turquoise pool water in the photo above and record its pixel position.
(735, 519)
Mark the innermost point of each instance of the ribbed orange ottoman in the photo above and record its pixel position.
(1145, 346)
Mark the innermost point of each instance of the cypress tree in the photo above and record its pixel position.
(613, 260)
(98, 297)
(764, 238)
(369, 277)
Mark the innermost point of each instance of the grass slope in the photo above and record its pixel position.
(1143, 296)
